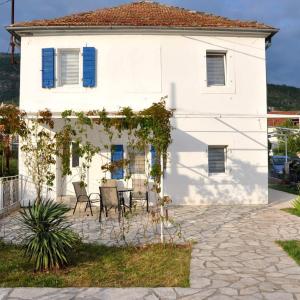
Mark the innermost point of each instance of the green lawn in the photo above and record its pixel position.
(284, 188)
(13, 167)
(101, 266)
(292, 248)
(292, 211)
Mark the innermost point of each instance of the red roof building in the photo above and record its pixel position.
(146, 14)
(275, 122)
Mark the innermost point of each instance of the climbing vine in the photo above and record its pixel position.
(150, 126)
(45, 141)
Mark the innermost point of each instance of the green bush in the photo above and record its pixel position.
(47, 236)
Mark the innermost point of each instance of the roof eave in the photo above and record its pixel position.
(27, 30)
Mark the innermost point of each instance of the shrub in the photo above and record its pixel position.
(47, 236)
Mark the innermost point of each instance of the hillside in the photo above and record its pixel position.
(9, 79)
(280, 97)
(284, 97)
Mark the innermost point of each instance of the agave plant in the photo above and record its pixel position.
(47, 235)
(296, 204)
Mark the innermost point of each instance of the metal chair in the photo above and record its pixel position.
(110, 199)
(82, 196)
(140, 192)
(110, 183)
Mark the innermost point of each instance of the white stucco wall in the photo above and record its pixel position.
(137, 70)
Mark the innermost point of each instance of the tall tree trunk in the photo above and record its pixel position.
(7, 158)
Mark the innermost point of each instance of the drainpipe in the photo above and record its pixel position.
(162, 207)
(286, 150)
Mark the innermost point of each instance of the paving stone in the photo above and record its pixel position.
(151, 297)
(166, 293)
(278, 296)
(124, 294)
(219, 283)
(200, 282)
(204, 294)
(249, 291)
(4, 293)
(228, 291)
(220, 297)
(235, 252)
(185, 292)
(32, 293)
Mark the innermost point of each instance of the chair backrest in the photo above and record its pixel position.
(109, 196)
(110, 183)
(79, 189)
(139, 186)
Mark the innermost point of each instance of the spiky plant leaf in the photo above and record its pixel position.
(47, 235)
(296, 203)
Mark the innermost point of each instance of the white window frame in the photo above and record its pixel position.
(58, 68)
(224, 55)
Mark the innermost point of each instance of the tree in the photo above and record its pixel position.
(11, 124)
(39, 150)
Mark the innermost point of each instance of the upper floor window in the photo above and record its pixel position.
(215, 65)
(217, 156)
(68, 67)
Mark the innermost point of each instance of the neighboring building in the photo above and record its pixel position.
(277, 122)
(213, 70)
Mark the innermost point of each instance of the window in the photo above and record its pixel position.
(117, 156)
(217, 159)
(68, 67)
(215, 65)
(75, 155)
(136, 161)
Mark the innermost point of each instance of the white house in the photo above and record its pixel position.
(212, 69)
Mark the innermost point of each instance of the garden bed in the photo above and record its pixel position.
(292, 248)
(101, 266)
(292, 211)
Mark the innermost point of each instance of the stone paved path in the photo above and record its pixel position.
(235, 257)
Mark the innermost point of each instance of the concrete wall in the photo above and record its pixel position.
(137, 70)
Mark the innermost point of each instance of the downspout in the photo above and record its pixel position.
(268, 42)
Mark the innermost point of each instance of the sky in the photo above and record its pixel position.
(283, 59)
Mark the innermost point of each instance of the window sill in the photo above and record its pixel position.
(219, 89)
(226, 174)
(70, 89)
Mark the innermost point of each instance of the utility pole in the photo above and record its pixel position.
(12, 42)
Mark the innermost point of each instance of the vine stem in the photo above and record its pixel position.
(162, 224)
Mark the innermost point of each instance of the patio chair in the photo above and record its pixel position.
(82, 196)
(110, 199)
(140, 192)
(110, 183)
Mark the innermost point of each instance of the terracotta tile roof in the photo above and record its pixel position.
(146, 14)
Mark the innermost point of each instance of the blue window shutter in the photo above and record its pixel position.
(153, 156)
(117, 153)
(48, 68)
(89, 66)
(154, 159)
